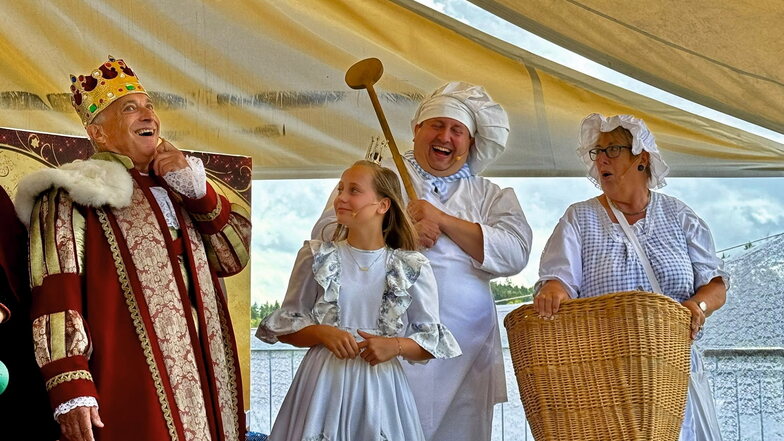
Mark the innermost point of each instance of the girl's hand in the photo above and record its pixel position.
(338, 341)
(377, 349)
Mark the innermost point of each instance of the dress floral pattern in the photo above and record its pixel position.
(403, 270)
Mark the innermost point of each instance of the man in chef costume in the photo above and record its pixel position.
(472, 231)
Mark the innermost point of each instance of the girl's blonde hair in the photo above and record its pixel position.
(397, 228)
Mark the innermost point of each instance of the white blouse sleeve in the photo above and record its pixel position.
(424, 322)
(702, 251)
(296, 312)
(562, 256)
(506, 235)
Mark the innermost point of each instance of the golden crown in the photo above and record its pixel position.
(92, 93)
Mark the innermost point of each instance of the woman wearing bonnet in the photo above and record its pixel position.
(590, 252)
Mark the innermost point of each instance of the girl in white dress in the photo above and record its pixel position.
(349, 300)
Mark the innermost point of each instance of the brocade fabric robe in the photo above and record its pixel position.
(125, 312)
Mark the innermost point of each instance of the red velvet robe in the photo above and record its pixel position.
(114, 317)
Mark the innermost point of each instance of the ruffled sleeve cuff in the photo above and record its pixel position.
(190, 181)
(73, 404)
(435, 338)
(283, 322)
(703, 277)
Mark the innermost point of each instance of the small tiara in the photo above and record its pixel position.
(375, 151)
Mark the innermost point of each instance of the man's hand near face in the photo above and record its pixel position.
(168, 159)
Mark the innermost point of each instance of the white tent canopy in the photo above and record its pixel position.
(264, 78)
(723, 54)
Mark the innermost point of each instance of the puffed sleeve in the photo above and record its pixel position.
(61, 336)
(424, 322)
(702, 251)
(562, 255)
(506, 235)
(225, 229)
(296, 312)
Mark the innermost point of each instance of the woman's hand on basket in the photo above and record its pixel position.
(697, 316)
(548, 300)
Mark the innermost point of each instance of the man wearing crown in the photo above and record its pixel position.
(131, 328)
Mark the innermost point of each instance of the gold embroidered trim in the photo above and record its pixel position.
(79, 230)
(133, 308)
(219, 340)
(212, 215)
(66, 377)
(240, 210)
(52, 258)
(228, 349)
(235, 241)
(36, 247)
(57, 335)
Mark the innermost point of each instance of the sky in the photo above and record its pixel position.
(738, 210)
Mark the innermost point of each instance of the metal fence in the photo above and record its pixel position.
(748, 386)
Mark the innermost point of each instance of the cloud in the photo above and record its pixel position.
(284, 212)
(737, 211)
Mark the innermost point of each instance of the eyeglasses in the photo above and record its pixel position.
(612, 151)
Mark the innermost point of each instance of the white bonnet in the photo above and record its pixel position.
(642, 139)
(471, 105)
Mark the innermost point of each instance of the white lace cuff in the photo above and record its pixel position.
(73, 404)
(191, 181)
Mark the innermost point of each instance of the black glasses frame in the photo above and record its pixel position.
(612, 151)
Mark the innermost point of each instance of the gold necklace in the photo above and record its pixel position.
(365, 268)
(631, 214)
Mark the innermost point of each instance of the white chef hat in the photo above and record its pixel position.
(485, 119)
(642, 139)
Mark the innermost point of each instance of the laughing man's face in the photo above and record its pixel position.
(128, 126)
(441, 145)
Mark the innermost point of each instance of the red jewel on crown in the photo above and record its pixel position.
(108, 71)
(88, 83)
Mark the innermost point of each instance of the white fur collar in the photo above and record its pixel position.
(93, 183)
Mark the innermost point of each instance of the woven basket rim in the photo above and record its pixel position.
(570, 304)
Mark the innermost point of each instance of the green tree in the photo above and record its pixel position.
(258, 312)
(506, 292)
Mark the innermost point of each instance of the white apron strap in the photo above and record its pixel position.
(646, 264)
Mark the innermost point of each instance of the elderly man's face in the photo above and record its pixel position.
(129, 126)
(441, 145)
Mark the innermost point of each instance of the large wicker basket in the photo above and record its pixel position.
(613, 367)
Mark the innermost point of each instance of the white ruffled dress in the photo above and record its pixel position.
(333, 399)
